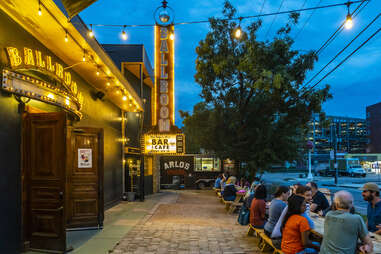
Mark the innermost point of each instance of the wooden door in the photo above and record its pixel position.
(85, 178)
(44, 165)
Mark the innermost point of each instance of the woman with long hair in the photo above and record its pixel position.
(258, 207)
(295, 229)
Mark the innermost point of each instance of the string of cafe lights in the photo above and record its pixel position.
(241, 18)
(87, 57)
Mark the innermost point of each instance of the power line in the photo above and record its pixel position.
(341, 51)
(339, 29)
(238, 18)
(345, 59)
(280, 7)
(263, 6)
(308, 20)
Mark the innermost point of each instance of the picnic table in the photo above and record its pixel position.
(319, 231)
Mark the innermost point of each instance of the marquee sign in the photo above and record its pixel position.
(164, 143)
(63, 93)
(164, 105)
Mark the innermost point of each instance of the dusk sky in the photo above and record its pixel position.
(355, 85)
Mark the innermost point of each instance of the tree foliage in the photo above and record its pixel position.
(254, 106)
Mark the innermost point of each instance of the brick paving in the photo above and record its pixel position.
(188, 222)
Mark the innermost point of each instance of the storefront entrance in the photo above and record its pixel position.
(62, 178)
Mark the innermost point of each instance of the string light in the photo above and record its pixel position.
(98, 71)
(91, 33)
(39, 8)
(124, 34)
(172, 36)
(124, 98)
(348, 21)
(238, 31)
(66, 38)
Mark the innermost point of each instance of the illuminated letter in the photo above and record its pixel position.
(163, 74)
(49, 65)
(164, 100)
(163, 86)
(39, 61)
(74, 87)
(163, 46)
(28, 57)
(163, 125)
(67, 78)
(59, 70)
(163, 60)
(163, 33)
(14, 56)
(164, 112)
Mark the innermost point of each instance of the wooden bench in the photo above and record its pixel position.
(227, 204)
(236, 203)
(266, 241)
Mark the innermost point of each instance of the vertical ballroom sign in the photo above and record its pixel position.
(164, 111)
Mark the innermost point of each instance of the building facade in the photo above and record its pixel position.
(65, 108)
(351, 134)
(373, 120)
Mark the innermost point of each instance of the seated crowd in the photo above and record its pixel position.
(288, 223)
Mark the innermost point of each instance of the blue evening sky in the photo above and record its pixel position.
(355, 85)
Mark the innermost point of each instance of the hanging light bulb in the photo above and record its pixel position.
(66, 38)
(98, 72)
(108, 84)
(238, 33)
(91, 33)
(348, 21)
(172, 36)
(39, 8)
(124, 34)
(124, 98)
(84, 56)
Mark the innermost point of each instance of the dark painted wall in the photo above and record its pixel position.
(96, 113)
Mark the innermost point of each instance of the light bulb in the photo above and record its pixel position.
(124, 98)
(238, 32)
(84, 58)
(348, 22)
(98, 73)
(108, 84)
(39, 11)
(124, 35)
(91, 34)
(172, 36)
(66, 38)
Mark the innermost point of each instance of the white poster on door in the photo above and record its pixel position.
(85, 159)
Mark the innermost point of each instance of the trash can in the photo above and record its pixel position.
(130, 196)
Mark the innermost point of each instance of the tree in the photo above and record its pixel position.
(254, 107)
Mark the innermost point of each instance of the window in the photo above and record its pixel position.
(207, 164)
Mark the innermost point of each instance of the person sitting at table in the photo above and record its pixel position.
(258, 207)
(319, 201)
(371, 193)
(217, 183)
(296, 230)
(276, 207)
(342, 230)
(229, 192)
(302, 191)
(249, 196)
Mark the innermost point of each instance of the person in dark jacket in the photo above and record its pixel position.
(229, 192)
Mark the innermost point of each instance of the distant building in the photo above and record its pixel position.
(373, 120)
(351, 134)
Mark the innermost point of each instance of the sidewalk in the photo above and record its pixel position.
(119, 220)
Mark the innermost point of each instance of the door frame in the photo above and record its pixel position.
(69, 162)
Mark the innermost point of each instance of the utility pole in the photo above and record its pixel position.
(334, 152)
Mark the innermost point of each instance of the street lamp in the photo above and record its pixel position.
(309, 146)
